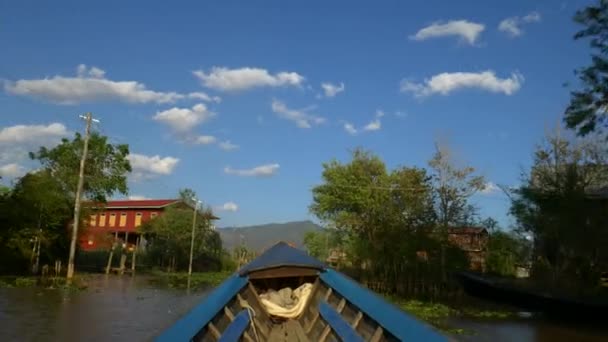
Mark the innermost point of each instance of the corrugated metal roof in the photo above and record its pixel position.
(140, 203)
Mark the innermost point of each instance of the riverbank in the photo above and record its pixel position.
(78, 283)
(179, 280)
(442, 316)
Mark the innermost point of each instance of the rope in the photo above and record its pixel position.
(251, 313)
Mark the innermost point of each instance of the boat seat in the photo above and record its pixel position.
(237, 327)
(340, 327)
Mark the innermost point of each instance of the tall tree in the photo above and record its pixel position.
(553, 205)
(36, 210)
(587, 111)
(104, 173)
(106, 168)
(453, 187)
(378, 211)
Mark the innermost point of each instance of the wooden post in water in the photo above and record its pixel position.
(109, 266)
(57, 268)
(123, 261)
(135, 249)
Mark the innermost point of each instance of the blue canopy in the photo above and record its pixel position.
(279, 255)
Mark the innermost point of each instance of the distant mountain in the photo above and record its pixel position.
(260, 237)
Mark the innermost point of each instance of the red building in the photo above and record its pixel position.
(474, 242)
(120, 219)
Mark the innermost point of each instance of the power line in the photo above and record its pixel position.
(374, 187)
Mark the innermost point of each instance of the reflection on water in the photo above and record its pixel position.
(112, 309)
(131, 309)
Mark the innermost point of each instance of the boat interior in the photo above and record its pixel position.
(321, 310)
(287, 295)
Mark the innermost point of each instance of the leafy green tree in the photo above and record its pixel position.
(553, 205)
(170, 235)
(505, 252)
(106, 167)
(587, 109)
(36, 209)
(320, 243)
(383, 216)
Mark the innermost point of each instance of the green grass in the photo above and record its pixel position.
(180, 280)
(78, 283)
(437, 314)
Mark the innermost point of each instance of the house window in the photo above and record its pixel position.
(123, 219)
(102, 220)
(112, 220)
(93, 220)
(137, 219)
(153, 215)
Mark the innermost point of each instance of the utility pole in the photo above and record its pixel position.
(196, 203)
(70, 274)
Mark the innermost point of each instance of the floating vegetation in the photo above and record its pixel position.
(78, 283)
(197, 280)
(437, 314)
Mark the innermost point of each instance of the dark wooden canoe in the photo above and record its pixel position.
(551, 305)
(337, 308)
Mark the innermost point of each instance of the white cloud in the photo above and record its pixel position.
(350, 128)
(512, 26)
(469, 31)
(12, 170)
(490, 188)
(532, 17)
(149, 166)
(332, 90)
(90, 85)
(228, 145)
(204, 97)
(32, 133)
(299, 116)
(229, 206)
(204, 140)
(267, 170)
(446, 83)
(184, 119)
(221, 78)
(373, 125)
(16, 141)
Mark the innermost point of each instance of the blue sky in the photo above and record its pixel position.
(227, 97)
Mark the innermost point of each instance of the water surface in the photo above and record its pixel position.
(115, 308)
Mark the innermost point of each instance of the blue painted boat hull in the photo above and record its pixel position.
(338, 308)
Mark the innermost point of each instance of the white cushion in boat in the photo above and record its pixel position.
(285, 302)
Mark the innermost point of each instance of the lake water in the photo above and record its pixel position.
(117, 308)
